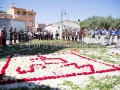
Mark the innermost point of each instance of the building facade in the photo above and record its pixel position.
(23, 14)
(66, 25)
(18, 24)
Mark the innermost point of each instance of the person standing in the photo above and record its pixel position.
(51, 35)
(57, 34)
(102, 36)
(22, 35)
(4, 36)
(110, 36)
(38, 34)
(26, 37)
(30, 35)
(45, 35)
(112, 31)
(84, 35)
(80, 36)
(115, 37)
(76, 35)
(0, 37)
(19, 35)
(72, 35)
(11, 35)
(63, 35)
(89, 36)
(15, 35)
(97, 34)
(41, 35)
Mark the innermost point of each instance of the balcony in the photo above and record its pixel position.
(26, 16)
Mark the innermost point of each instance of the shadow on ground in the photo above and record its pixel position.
(29, 49)
(44, 47)
(20, 84)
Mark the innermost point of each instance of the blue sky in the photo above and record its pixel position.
(49, 11)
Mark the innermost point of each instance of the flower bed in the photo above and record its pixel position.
(22, 68)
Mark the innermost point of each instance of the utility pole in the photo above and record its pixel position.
(68, 16)
(63, 11)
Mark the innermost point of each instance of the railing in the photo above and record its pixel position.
(19, 15)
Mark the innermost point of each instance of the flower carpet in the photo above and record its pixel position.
(25, 68)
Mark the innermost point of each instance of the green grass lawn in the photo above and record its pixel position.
(38, 46)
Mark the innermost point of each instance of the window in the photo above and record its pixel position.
(18, 12)
(31, 22)
(30, 13)
(24, 13)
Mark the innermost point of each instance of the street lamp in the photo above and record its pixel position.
(63, 11)
(79, 21)
(79, 30)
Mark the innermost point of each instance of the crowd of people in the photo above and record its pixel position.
(20, 35)
(86, 34)
(44, 35)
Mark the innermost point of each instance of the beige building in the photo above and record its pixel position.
(5, 15)
(25, 15)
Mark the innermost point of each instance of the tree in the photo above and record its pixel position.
(99, 21)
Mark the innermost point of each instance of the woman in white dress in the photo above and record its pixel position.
(30, 35)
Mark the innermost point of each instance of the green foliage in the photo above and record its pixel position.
(99, 21)
(40, 87)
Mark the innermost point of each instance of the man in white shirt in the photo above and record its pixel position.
(102, 36)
